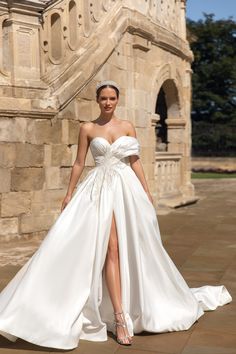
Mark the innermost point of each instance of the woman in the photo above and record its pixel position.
(103, 254)
(107, 125)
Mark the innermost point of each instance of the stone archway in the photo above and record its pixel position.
(161, 125)
(169, 124)
(172, 138)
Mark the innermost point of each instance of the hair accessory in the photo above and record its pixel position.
(107, 82)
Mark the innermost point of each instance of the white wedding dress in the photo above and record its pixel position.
(60, 296)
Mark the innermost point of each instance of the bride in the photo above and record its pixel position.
(102, 266)
(109, 127)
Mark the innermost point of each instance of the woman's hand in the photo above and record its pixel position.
(65, 201)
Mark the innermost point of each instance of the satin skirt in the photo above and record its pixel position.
(60, 295)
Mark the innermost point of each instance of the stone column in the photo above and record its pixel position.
(3, 39)
(154, 119)
(22, 28)
(188, 187)
(183, 19)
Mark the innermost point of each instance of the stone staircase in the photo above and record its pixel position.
(52, 55)
(52, 49)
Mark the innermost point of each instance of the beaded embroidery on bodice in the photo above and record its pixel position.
(122, 147)
(110, 159)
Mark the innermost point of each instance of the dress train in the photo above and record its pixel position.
(60, 296)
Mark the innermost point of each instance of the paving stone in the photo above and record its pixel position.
(209, 342)
(205, 276)
(137, 351)
(218, 321)
(20, 347)
(171, 343)
(208, 350)
(206, 263)
(88, 347)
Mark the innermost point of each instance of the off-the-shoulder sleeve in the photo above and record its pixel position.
(130, 147)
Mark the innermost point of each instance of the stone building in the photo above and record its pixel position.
(53, 53)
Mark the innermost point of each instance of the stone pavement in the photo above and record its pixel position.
(201, 240)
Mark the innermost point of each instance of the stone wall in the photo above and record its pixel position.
(36, 156)
(45, 92)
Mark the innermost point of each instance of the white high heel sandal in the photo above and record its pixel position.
(122, 323)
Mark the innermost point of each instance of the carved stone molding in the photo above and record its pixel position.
(141, 43)
(175, 123)
(64, 71)
(154, 119)
(27, 6)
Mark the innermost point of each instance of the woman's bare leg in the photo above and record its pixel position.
(112, 275)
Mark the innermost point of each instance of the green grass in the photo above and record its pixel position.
(212, 175)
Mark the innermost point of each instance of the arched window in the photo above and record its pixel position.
(56, 37)
(161, 127)
(72, 24)
(5, 53)
(168, 109)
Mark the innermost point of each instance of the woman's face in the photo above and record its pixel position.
(107, 100)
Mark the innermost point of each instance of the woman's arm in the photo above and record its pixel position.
(78, 166)
(136, 165)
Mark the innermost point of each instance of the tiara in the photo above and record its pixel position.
(107, 82)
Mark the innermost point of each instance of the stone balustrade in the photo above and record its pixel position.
(169, 14)
(67, 23)
(168, 174)
(64, 25)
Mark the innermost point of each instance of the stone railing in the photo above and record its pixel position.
(169, 14)
(50, 46)
(168, 174)
(67, 23)
(65, 26)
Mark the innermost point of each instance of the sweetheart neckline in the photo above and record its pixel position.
(122, 136)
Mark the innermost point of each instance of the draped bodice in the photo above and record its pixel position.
(110, 159)
(103, 152)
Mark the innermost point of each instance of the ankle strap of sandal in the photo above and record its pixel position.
(118, 313)
(122, 324)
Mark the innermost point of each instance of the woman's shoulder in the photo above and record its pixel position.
(85, 129)
(86, 126)
(128, 127)
(127, 123)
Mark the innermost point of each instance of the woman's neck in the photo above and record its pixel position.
(105, 118)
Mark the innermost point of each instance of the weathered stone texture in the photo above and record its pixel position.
(15, 203)
(44, 99)
(46, 201)
(52, 177)
(69, 112)
(29, 155)
(5, 180)
(8, 226)
(47, 155)
(64, 176)
(36, 222)
(13, 129)
(61, 155)
(7, 154)
(85, 109)
(73, 132)
(44, 131)
(27, 179)
(141, 120)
